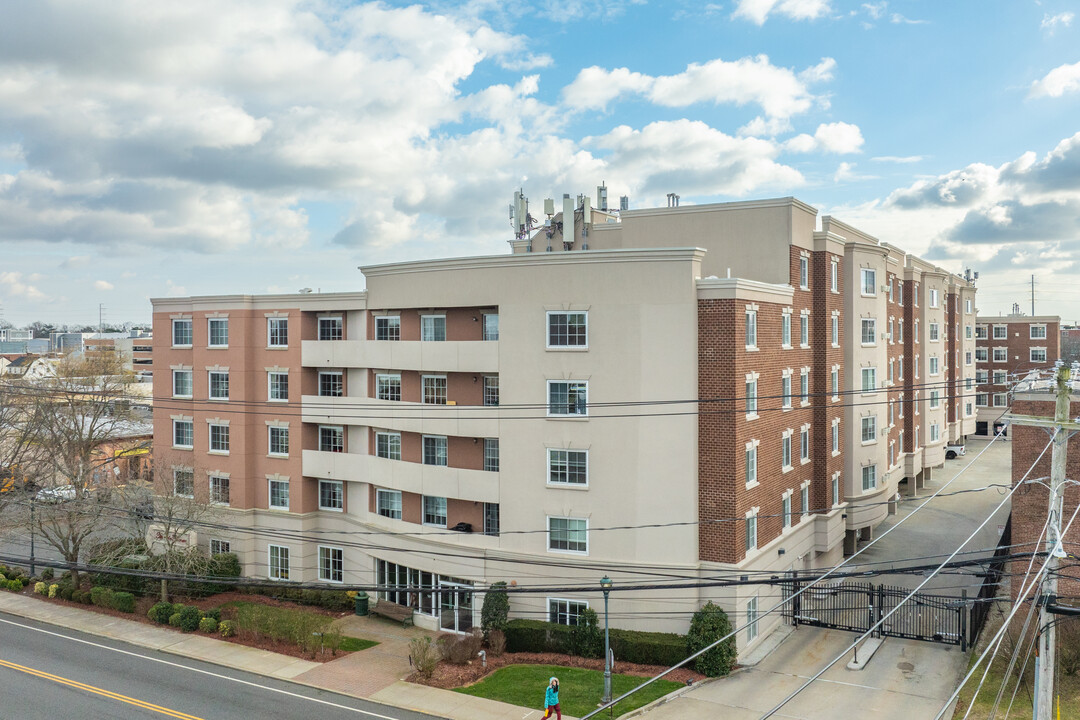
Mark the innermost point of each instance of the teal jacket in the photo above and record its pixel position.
(551, 697)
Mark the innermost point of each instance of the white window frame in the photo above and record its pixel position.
(868, 429)
(190, 474)
(751, 463)
(210, 385)
(191, 384)
(284, 483)
(270, 332)
(341, 494)
(190, 332)
(581, 384)
(568, 345)
(804, 272)
(424, 511)
(834, 280)
(270, 377)
(836, 437)
(1004, 354)
(389, 378)
(331, 319)
(219, 547)
(804, 329)
(804, 387)
(1003, 335)
(785, 329)
(1001, 399)
(804, 444)
(389, 322)
(785, 509)
(568, 530)
(868, 274)
(553, 454)
(836, 330)
(873, 379)
(211, 497)
(751, 395)
(935, 366)
(934, 332)
(432, 319)
(785, 389)
(435, 442)
(1032, 355)
(389, 436)
(340, 429)
(834, 378)
(270, 440)
(330, 374)
(282, 562)
(380, 494)
(210, 438)
(752, 619)
(869, 472)
(560, 609)
(750, 536)
(191, 426)
(210, 333)
(981, 332)
(868, 324)
(984, 352)
(329, 577)
(751, 330)
(434, 379)
(785, 450)
(1036, 326)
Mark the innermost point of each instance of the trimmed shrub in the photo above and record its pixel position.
(648, 648)
(496, 642)
(536, 636)
(189, 618)
(24, 580)
(101, 596)
(41, 588)
(161, 612)
(226, 628)
(67, 592)
(708, 625)
(47, 574)
(208, 625)
(174, 619)
(53, 589)
(461, 649)
(123, 601)
(81, 596)
(586, 638)
(424, 655)
(16, 585)
(496, 609)
(213, 613)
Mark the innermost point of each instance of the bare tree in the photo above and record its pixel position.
(18, 417)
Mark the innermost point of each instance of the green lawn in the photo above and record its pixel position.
(351, 644)
(580, 689)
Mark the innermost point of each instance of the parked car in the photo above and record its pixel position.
(58, 494)
(954, 451)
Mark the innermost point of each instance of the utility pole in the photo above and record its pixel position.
(101, 316)
(1047, 638)
(1033, 296)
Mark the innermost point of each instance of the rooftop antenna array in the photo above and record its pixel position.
(520, 219)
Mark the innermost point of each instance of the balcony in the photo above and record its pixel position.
(464, 420)
(475, 485)
(464, 356)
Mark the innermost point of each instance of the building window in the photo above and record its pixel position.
(916, 331)
(278, 386)
(388, 387)
(967, 332)
(804, 445)
(1001, 399)
(935, 432)
(434, 389)
(491, 519)
(834, 276)
(277, 332)
(892, 329)
(900, 293)
(804, 386)
(181, 333)
(568, 467)
(869, 379)
(331, 495)
(967, 409)
(751, 397)
(967, 357)
(785, 389)
(869, 282)
(804, 272)
(751, 463)
(1001, 332)
(491, 326)
(869, 477)
(804, 500)
(279, 494)
(804, 329)
(568, 329)
(935, 399)
(219, 490)
(1001, 355)
(491, 389)
(331, 438)
(751, 329)
(388, 503)
(785, 329)
(935, 333)
(890, 286)
(331, 564)
(388, 445)
(869, 331)
(182, 384)
(836, 435)
(331, 384)
(565, 612)
(435, 511)
(751, 620)
(184, 482)
(900, 367)
(751, 530)
(433, 328)
(933, 297)
(900, 330)
(981, 399)
(219, 385)
(219, 439)
(1037, 332)
(836, 330)
(869, 429)
(835, 380)
(491, 454)
(279, 562)
(183, 434)
(566, 534)
(1038, 355)
(331, 328)
(935, 366)
(434, 450)
(980, 332)
(836, 488)
(219, 547)
(785, 450)
(218, 329)
(279, 441)
(981, 354)
(568, 397)
(388, 327)
(785, 509)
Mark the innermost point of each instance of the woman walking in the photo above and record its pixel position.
(551, 699)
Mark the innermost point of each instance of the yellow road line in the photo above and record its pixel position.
(98, 691)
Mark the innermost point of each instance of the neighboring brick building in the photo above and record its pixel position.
(1030, 504)
(1006, 348)
(726, 374)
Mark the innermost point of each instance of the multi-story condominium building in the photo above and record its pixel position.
(15, 335)
(682, 392)
(1007, 348)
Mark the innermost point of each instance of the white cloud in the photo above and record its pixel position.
(1052, 22)
(899, 159)
(876, 10)
(846, 173)
(103, 285)
(779, 91)
(11, 284)
(758, 11)
(838, 137)
(898, 19)
(1062, 79)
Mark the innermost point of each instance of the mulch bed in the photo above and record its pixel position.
(447, 676)
(143, 604)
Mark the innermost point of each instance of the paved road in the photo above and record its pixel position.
(49, 673)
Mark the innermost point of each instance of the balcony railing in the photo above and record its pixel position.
(476, 485)
(450, 356)
(462, 420)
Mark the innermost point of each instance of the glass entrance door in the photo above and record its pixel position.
(455, 607)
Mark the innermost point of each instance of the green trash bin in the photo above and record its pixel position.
(361, 603)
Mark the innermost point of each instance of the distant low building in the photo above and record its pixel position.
(1006, 349)
(30, 367)
(14, 335)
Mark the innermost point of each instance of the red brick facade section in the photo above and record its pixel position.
(1019, 344)
(826, 410)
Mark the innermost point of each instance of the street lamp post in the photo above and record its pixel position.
(605, 583)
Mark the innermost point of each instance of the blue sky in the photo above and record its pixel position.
(149, 149)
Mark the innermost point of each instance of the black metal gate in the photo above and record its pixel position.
(856, 606)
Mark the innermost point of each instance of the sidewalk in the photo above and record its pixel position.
(374, 674)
